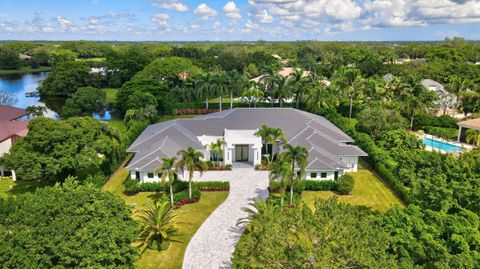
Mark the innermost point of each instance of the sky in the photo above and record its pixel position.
(233, 20)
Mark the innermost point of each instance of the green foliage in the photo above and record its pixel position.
(134, 187)
(9, 59)
(442, 132)
(345, 184)
(152, 87)
(169, 69)
(125, 63)
(295, 237)
(400, 140)
(54, 149)
(428, 239)
(69, 226)
(444, 121)
(36, 111)
(62, 56)
(66, 79)
(135, 129)
(212, 186)
(377, 120)
(85, 102)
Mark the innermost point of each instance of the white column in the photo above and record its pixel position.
(459, 133)
(1, 171)
(14, 176)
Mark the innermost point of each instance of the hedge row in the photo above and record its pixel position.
(307, 185)
(211, 186)
(182, 198)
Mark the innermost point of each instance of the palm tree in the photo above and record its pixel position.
(457, 86)
(264, 133)
(298, 82)
(217, 149)
(350, 82)
(320, 97)
(282, 88)
(280, 171)
(168, 171)
(295, 155)
(235, 84)
(191, 160)
(158, 224)
(275, 135)
(271, 74)
(219, 85)
(473, 137)
(203, 86)
(415, 97)
(258, 212)
(252, 95)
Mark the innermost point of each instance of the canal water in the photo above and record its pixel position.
(20, 85)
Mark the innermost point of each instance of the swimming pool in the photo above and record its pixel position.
(437, 145)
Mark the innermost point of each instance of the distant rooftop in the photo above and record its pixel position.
(472, 124)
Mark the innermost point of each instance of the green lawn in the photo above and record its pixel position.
(118, 124)
(190, 217)
(9, 187)
(25, 69)
(99, 59)
(226, 100)
(369, 191)
(111, 94)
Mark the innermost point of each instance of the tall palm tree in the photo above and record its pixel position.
(282, 87)
(321, 96)
(275, 135)
(203, 87)
(158, 224)
(190, 159)
(295, 155)
(350, 82)
(219, 85)
(415, 97)
(298, 82)
(280, 171)
(457, 86)
(252, 95)
(271, 74)
(473, 137)
(235, 84)
(264, 132)
(168, 171)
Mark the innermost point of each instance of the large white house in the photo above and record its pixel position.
(330, 153)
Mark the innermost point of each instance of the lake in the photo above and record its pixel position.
(21, 84)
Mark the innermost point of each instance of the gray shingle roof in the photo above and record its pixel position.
(325, 141)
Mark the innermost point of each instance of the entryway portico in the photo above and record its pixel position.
(242, 146)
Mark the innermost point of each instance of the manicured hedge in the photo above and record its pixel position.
(346, 184)
(211, 186)
(133, 186)
(319, 185)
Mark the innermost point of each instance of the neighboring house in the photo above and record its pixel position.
(13, 124)
(329, 157)
(465, 125)
(284, 72)
(446, 100)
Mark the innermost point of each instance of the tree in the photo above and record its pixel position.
(153, 87)
(345, 184)
(36, 111)
(235, 84)
(470, 102)
(158, 224)
(350, 82)
(172, 69)
(275, 135)
(252, 95)
(271, 74)
(458, 86)
(7, 98)
(123, 64)
(85, 102)
(190, 159)
(264, 133)
(320, 97)
(415, 97)
(280, 171)
(297, 156)
(9, 59)
(168, 171)
(282, 87)
(473, 137)
(62, 56)
(377, 120)
(203, 87)
(56, 149)
(140, 99)
(67, 226)
(298, 84)
(217, 149)
(219, 85)
(65, 79)
(333, 235)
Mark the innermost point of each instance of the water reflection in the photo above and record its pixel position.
(21, 84)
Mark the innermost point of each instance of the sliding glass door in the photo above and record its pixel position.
(241, 153)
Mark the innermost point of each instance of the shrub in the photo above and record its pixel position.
(345, 184)
(422, 120)
(182, 198)
(442, 132)
(228, 167)
(274, 186)
(320, 185)
(211, 186)
(133, 186)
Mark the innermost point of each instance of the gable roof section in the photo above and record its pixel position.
(325, 141)
(12, 128)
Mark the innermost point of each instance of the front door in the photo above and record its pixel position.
(241, 153)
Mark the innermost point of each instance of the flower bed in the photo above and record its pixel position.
(182, 198)
(212, 186)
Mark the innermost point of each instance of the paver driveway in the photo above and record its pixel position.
(214, 242)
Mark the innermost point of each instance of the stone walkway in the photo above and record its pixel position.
(213, 244)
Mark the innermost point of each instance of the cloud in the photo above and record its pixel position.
(232, 11)
(161, 19)
(63, 23)
(9, 26)
(205, 12)
(264, 17)
(176, 5)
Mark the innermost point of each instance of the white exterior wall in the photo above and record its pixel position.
(330, 175)
(144, 177)
(352, 162)
(5, 146)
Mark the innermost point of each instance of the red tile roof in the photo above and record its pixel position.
(9, 113)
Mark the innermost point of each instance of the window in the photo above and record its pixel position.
(137, 175)
(323, 175)
(313, 175)
(150, 175)
(159, 175)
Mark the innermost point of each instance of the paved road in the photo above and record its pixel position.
(213, 244)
